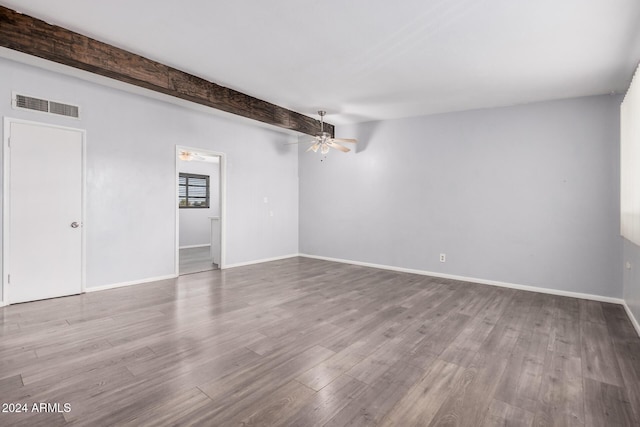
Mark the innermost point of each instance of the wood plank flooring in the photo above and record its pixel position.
(195, 260)
(303, 342)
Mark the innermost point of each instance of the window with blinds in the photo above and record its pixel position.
(630, 162)
(193, 191)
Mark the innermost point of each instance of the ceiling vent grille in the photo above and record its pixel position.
(45, 106)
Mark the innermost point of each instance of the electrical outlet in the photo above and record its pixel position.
(266, 199)
(628, 265)
(443, 257)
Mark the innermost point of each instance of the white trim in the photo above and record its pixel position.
(6, 200)
(223, 203)
(259, 261)
(83, 224)
(2, 304)
(5, 208)
(130, 283)
(205, 245)
(633, 319)
(475, 280)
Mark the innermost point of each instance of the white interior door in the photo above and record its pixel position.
(45, 215)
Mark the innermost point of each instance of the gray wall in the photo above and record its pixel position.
(195, 224)
(131, 139)
(527, 195)
(631, 278)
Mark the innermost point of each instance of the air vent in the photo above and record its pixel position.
(64, 109)
(32, 103)
(43, 105)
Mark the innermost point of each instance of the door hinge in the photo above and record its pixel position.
(8, 278)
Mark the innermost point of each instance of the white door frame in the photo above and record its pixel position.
(223, 202)
(6, 200)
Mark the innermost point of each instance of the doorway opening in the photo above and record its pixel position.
(200, 210)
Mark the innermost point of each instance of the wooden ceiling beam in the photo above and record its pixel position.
(35, 37)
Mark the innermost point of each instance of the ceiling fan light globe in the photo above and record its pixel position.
(324, 149)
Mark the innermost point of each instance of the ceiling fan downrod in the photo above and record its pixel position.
(321, 114)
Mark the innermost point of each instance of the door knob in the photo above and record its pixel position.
(75, 224)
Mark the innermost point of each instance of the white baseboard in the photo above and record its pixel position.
(259, 261)
(206, 245)
(475, 280)
(633, 319)
(133, 282)
(2, 304)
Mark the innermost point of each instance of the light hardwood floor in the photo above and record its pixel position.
(195, 260)
(303, 342)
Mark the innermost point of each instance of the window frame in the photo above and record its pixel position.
(188, 176)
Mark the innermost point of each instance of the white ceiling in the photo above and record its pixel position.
(374, 59)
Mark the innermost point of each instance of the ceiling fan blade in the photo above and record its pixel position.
(338, 147)
(311, 140)
(349, 140)
(314, 147)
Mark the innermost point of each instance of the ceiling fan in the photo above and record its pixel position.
(323, 140)
(187, 156)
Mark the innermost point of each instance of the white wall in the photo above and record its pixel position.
(630, 195)
(131, 139)
(527, 195)
(195, 224)
(631, 278)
